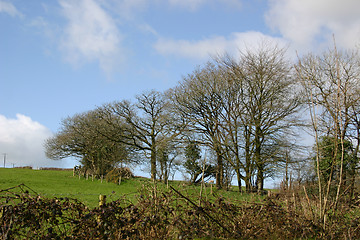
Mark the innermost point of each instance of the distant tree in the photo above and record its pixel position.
(261, 101)
(145, 125)
(197, 99)
(192, 157)
(197, 168)
(79, 138)
(243, 108)
(330, 160)
(168, 154)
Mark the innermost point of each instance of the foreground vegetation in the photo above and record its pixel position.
(177, 211)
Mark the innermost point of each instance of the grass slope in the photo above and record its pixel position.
(52, 183)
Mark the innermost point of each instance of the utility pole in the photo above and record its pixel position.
(4, 158)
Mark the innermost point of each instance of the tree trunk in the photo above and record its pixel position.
(238, 176)
(248, 163)
(161, 177)
(220, 170)
(260, 179)
(354, 162)
(258, 161)
(164, 171)
(248, 184)
(153, 163)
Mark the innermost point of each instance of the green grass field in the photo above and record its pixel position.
(52, 183)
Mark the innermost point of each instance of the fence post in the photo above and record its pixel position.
(102, 200)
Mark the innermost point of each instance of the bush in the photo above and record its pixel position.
(25, 167)
(115, 174)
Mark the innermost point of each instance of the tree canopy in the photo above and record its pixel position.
(246, 112)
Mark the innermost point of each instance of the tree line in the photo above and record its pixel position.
(234, 116)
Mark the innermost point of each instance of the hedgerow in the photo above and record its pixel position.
(158, 215)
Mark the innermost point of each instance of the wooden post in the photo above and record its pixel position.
(211, 182)
(102, 200)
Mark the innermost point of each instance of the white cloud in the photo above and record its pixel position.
(22, 140)
(190, 4)
(195, 4)
(192, 49)
(217, 45)
(10, 9)
(310, 22)
(127, 8)
(91, 34)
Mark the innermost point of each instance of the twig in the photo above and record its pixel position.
(309, 205)
(21, 187)
(201, 210)
(28, 188)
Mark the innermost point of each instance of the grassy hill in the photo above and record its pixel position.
(52, 183)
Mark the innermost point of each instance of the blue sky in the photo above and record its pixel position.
(61, 57)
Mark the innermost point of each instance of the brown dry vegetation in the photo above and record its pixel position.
(172, 215)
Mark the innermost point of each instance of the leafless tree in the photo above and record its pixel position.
(243, 108)
(146, 125)
(79, 138)
(332, 85)
(197, 99)
(261, 108)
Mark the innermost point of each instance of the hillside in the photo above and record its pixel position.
(52, 183)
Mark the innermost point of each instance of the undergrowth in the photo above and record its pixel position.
(161, 214)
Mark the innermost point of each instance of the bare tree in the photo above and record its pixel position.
(79, 138)
(242, 108)
(198, 100)
(261, 108)
(331, 82)
(145, 125)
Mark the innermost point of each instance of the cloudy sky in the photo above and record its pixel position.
(61, 57)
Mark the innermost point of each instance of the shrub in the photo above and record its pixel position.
(115, 174)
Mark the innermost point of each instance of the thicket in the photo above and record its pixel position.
(170, 215)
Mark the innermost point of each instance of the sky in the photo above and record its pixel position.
(62, 57)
